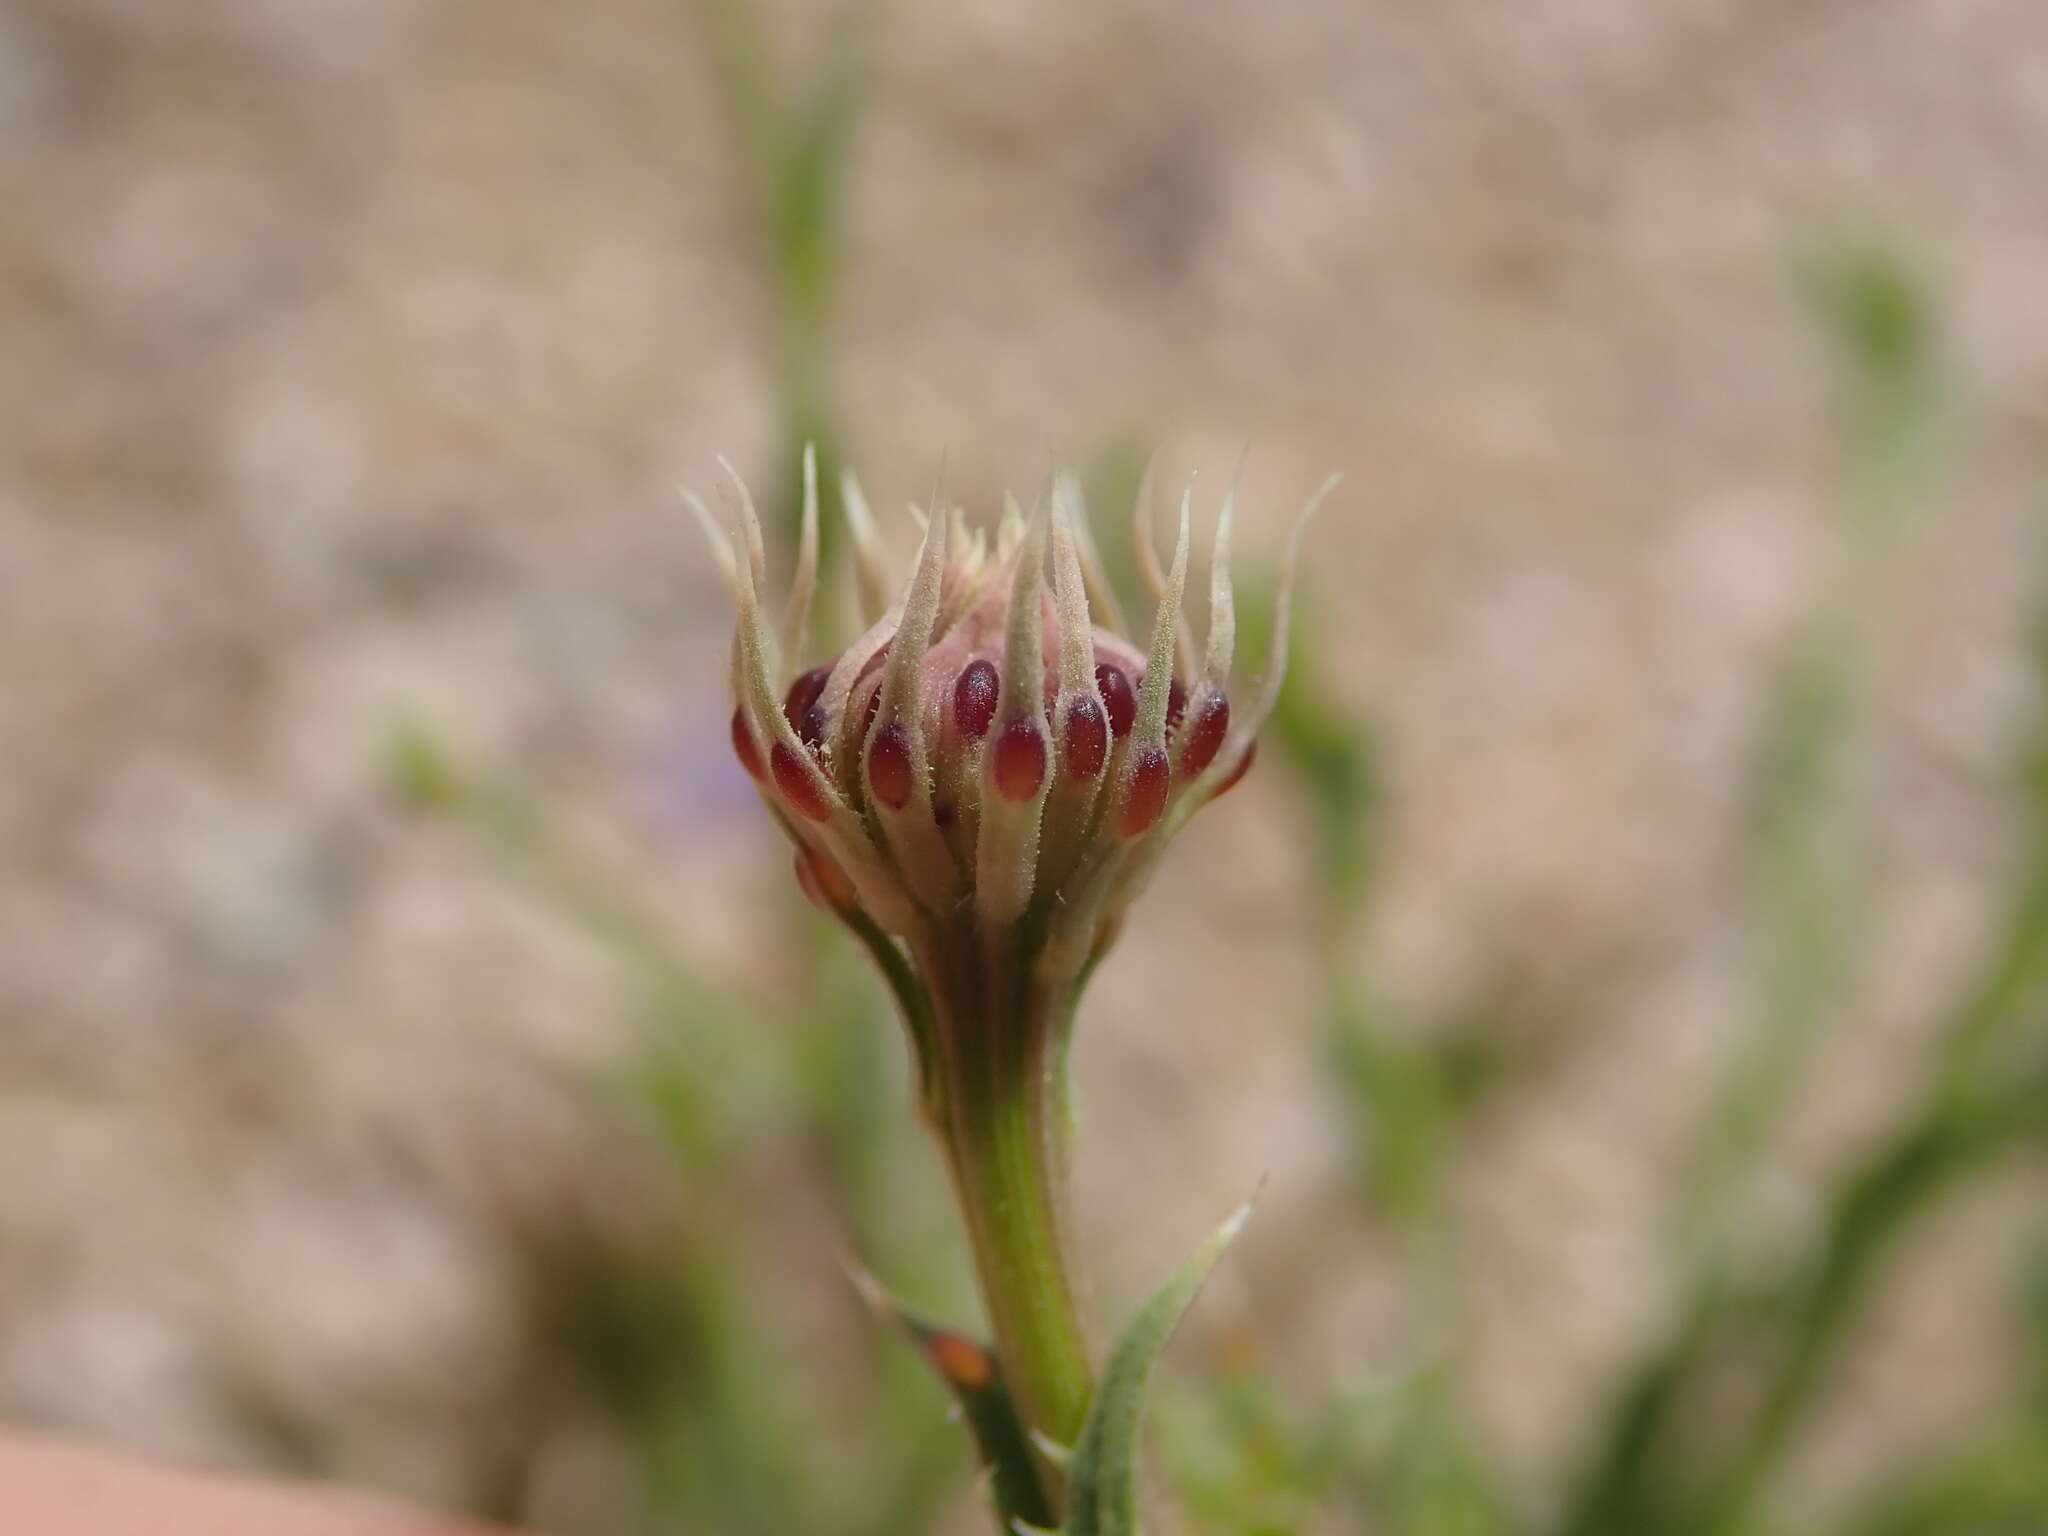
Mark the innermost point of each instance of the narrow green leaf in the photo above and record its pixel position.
(1102, 1489)
(969, 1371)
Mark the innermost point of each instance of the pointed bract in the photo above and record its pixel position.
(1156, 692)
(715, 536)
(1222, 607)
(1101, 591)
(1070, 603)
(757, 549)
(1013, 762)
(1275, 676)
(803, 586)
(870, 569)
(894, 753)
(1024, 631)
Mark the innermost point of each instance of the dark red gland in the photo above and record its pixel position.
(889, 767)
(800, 706)
(799, 783)
(1118, 697)
(975, 693)
(1019, 766)
(1176, 704)
(1085, 738)
(1147, 778)
(945, 813)
(745, 748)
(1236, 775)
(1205, 734)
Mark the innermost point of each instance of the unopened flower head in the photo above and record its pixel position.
(993, 761)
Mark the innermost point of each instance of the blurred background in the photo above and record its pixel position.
(1627, 968)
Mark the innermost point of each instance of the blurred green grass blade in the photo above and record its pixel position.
(1806, 883)
(1803, 909)
(1399, 1110)
(686, 1006)
(1405, 1096)
(1431, 1479)
(2008, 996)
(1995, 1486)
(683, 1353)
(1334, 756)
(744, 80)
(797, 148)
(1244, 1461)
(1627, 1487)
(814, 148)
(1109, 486)
(1879, 317)
(1390, 1087)
(1633, 1484)
(666, 1339)
(1102, 1480)
(1949, 1139)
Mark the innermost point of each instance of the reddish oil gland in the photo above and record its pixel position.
(823, 880)
(1147, 778)
(799, 783)
(974, 699)
(1085, 738)
(1205, 734)
(800, 706)
(945, 813)
(1019, 766)
(961, 1361)
(831, 879)
(1236, 775)
(1176, 704)
(889, 774)
(1118, 697)
(745, 747)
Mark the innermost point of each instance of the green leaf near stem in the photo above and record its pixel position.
(1102, 1489)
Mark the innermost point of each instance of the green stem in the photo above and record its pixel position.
(1002, 1122)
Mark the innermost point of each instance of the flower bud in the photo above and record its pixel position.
(986, 752)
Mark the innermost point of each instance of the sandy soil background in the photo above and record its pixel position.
(351, 353)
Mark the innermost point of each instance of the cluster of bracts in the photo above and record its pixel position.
(984, 745)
